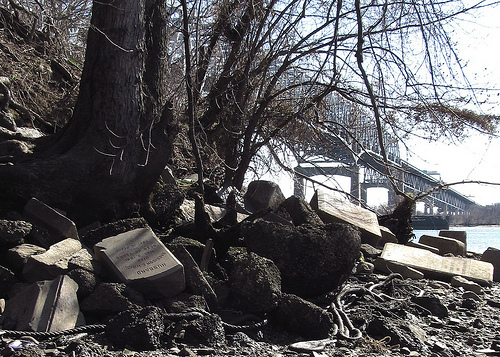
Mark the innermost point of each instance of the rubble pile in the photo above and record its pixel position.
(268, 276)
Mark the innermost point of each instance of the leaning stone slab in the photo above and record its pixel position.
(423, 246)
(334, 210)
(436, 266)
(445, 245)
(139, 259)
(41, 213)
(387, 236)
(53, 262)
(44, 306)
(458, 235)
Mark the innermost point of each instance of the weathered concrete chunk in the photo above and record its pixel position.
(43, 214)
(436, 266)
(263, 194)
(389, 267)
(334, 210)
(387, 236)
(492, 255)
(13, 232)
(45, 306)
(140, 259)
(458, 235)
(214, 212)
(423, 246)
(444, 244)
(18, 256)
(299, 211)
(110, 298)
(53, 262)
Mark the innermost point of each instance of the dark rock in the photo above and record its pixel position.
(183, 302)
(300, 212)
(86, 349)
(399, 332)
(142, 329)
(207, 330)
(369, 251)
(312, 259)
(165, 201)
(255, 283)
(110, 298)
(432, 304)
(263, 194)
(195, 280)
(492, 255)
(86, 280)
(13, 232)
(299, 316)
(112, 229)
(7, 281)
(470, 304)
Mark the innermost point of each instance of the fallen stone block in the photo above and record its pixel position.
(334, 210)
(40, 213)
(138, 258)
(423, 246)
(44, 306)
(389, 267)
(263, 194)
(18, 256)
(445, 245)
(387, 236)
(458, 235)
(468, 285)
(53, 262)
(492, 255)
(436, 266)
(299, 211)
(214, 212)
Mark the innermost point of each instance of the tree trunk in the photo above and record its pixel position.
(111, 153)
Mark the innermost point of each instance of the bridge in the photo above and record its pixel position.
(335, 150)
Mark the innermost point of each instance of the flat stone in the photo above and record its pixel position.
(310, 346)
(214, 212)
(334, 210)
(18, 256)
(445, 245)
(458, 235)
(492, 255)
(468, 285)
(41, 213)
(435, 266)
(138, 258)
(44, 306)
(389, 267)
(423, 246)
(53, 262)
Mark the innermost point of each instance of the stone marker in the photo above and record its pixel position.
(423, 246)
(436, 266)
(43, 214)
(458, 235)
(492, 255)
(334, 210)
(389, 267)
(53, 262)
(139, 259)
(445, 245)
(44, 306)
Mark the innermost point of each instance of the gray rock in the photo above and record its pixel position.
(255, 283)
(13, 232)
(444, 244)
(110, 298)
(299, 316)
(84, 259)
(432, 304)
(52, 263)
(86, 280)
(207, 330)
(300, 212)
(7, 280)
(18, 256)
(468, 285)
(492, 255)
(183, 302)
(312, 259)
(139, 328)
(399, 331)
(45, 306)
(364, 268)
(112, 229)
(263, 194)
(458, 235)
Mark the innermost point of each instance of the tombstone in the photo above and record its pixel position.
(44, 306)
(138, 258)
(53, 262)
(445, 245)
(436, 266)
(40, 213)
(458, 235)
(334, 210)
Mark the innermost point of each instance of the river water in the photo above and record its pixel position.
(479, 238)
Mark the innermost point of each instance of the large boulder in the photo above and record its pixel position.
(312, 259)
(492, 255)
(263, 194)
(300, 212)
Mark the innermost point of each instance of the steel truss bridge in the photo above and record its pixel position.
(332, 151)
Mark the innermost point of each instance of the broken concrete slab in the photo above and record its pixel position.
(459, 281)
(53, 262)
(139, 259)
(436, 266)
(44, 306)
(334, 210)
(423, 246)
(40, 213)
(18, 256)
(444, 244)
(458, 235)
(390, 267)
